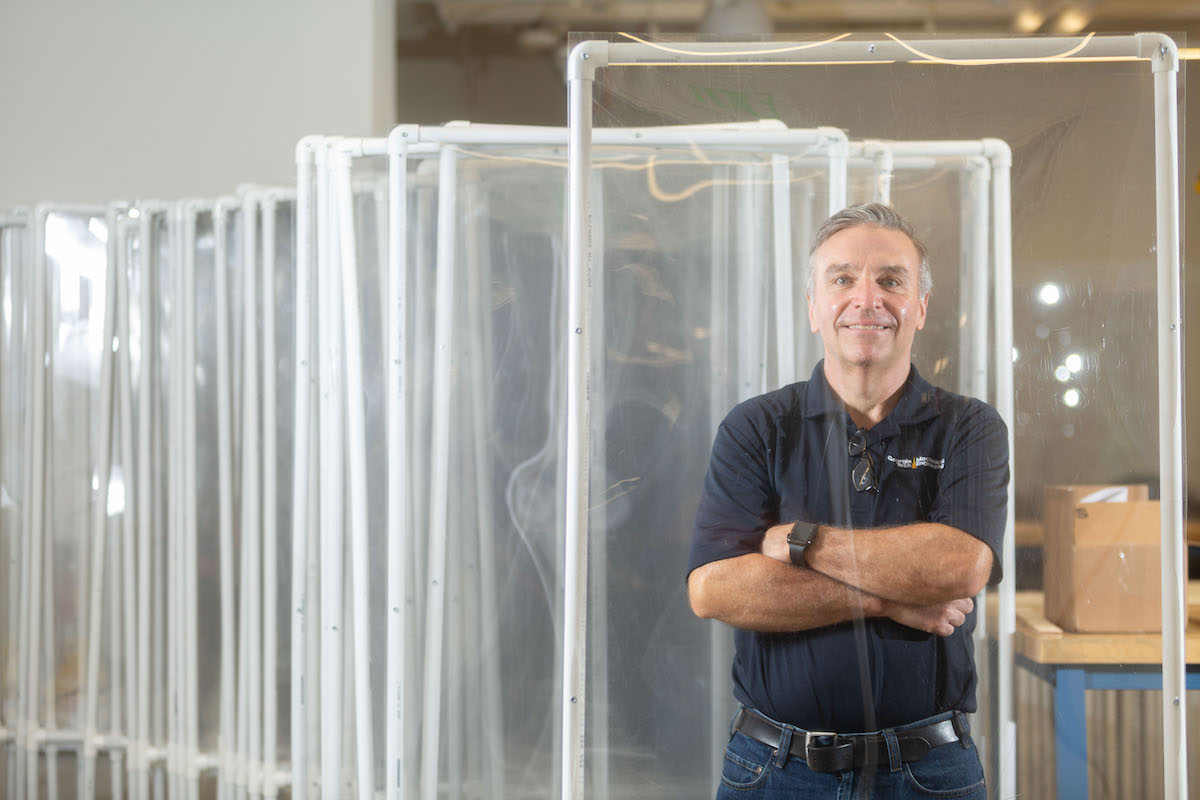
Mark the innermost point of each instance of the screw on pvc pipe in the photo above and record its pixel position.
(579, 330)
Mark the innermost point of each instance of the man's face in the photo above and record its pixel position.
(865, 302)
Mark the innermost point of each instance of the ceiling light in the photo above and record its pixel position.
(1049, 294)
(1073, 19)
(1071, 397)
(1074, 362)
(1028, 20)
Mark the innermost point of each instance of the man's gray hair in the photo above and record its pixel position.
(876, 215)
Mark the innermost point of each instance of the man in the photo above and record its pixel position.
(844, 527)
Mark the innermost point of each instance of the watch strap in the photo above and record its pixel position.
(798, 539)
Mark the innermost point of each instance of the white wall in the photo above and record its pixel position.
(106, 99)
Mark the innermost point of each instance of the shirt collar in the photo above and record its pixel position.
(918, 402)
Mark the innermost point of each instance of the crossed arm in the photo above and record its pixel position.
(921, 575)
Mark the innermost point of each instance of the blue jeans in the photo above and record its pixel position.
(755, 771)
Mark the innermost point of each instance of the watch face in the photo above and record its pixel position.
(801, 534)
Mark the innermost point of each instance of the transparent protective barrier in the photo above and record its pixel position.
(14, 429)
(1085, 327)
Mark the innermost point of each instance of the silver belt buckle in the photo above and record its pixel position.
(810, 735)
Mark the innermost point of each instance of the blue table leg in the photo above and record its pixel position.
(1070, 734)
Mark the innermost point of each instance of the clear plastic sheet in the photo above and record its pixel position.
(280, 290)
(75, 274)
(14, 344)
(1084, 338)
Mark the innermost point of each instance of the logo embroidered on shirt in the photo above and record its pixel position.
(919, 461)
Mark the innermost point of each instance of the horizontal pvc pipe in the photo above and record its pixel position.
(590, 55)
(731, 137)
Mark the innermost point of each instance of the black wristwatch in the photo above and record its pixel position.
(799, 538)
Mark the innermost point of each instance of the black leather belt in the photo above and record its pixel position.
(824, 751)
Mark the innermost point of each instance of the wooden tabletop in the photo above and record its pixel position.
(1043, 642)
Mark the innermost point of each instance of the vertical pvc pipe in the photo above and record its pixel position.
(270, 521)
(1165, 62)
(238, 375)
(980, 180)
(173, 545)
(356, 458)
(305, 232)
(720, 636)
(18, 573)
(14, 538)
(838, 151)
(332, 484)
(139, 762)
(581, 65)
(785, 314)
(40, 363)
(967, 237)
(421, 354)
(884, 170)
(24, 609)
(99, 526)
(226, 712)
(398, 388)
(439, 472)
(190, 552)
(751, 352)
(113, 592)
(159, 594)
(809, 347)
(132, 491)
(251, 529)
(1006, 746)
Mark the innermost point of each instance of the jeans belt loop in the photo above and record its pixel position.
(785, 744)
(893, 748)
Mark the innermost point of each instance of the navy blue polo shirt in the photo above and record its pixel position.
(783, 456)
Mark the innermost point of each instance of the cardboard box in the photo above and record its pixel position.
(1102, 572)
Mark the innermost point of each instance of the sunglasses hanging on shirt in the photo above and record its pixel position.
(862, 473)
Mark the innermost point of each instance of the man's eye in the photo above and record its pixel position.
(891, 283)
(841, 280)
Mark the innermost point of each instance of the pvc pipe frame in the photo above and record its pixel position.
(588, 56)
(343, 153)
(750, 136)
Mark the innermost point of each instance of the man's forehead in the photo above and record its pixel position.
(867, 243)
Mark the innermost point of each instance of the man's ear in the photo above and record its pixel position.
(813, 325)
(924, 308)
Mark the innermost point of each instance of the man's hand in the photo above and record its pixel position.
(939, 618)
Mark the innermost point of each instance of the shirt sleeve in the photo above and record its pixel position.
(973, 483)
(739, 501)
